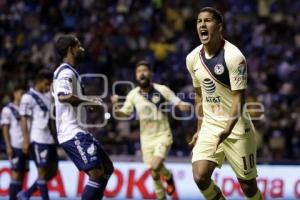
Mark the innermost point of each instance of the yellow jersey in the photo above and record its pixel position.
(151, 109)
(218, 77)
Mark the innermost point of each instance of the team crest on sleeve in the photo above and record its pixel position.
(219, 69)
(242, 69)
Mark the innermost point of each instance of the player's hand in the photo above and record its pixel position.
(184, 107)
(114, 99)
(9, 152)
(222, 136)
(25, 147)
(194, 140)
(96, 100)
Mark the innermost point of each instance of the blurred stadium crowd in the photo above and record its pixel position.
(117, 33)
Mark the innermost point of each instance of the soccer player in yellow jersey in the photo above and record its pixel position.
(149, 100)
(219, 74)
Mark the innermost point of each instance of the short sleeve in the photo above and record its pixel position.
(237, 68)
(26, 105)
(190, 59)
(63, 83)
(5, 116)
(170, 96)
(128, 105)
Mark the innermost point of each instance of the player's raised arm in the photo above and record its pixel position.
(125, 110)
(183, 106)
(174, 100)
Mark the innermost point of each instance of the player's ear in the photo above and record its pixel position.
(151, 74)
(221, 28)
(71, 50)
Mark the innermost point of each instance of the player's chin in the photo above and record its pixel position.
(204, 41)
(143, 84)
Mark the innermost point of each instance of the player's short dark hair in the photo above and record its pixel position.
(216, 14)
(19, 86)
(44, 74)
(63, 43)
(143, 62)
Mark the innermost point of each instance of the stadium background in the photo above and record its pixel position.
(117, 33)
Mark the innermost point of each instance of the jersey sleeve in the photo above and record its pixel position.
(5, 116)
(237, 68)
(26, 105)
(190, 59)
(170, 96)
(128, 105)
(63, 83)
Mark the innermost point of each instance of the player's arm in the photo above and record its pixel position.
(76, 100)
(5, 123)
(26, 111)
(183, 106)
(190, 60)
(68, 97)
(63, 88)
(25, 132)
(237, 68)
(236, 109)
(198, 107)
(6, 137)
(174, 100)
(5, 118)
(51, 122)
(199, 111)
(121, 111)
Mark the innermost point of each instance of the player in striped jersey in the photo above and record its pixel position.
(35, 116)
(13, 138)
(80, 145)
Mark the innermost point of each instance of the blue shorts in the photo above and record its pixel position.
(85, 151)
(19, 161)
(44, 154)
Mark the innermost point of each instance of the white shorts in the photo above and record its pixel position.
(240, 153)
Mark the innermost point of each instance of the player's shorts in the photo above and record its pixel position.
(19, 161)
(240, 153)
(44, 154)
(158, 147)
(85, 151)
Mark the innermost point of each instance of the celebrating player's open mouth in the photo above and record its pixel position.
(204, 36)
(143, 81)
